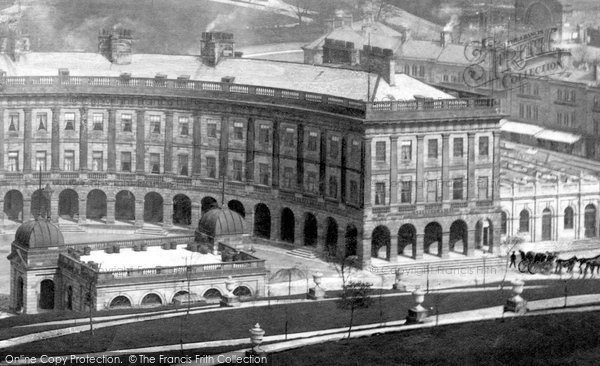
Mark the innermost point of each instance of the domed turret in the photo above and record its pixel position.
(39, 234)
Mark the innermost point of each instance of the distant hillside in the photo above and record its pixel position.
(160, 26)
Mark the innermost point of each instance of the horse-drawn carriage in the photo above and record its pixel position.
(536, 262)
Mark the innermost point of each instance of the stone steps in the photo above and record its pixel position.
(438, 266)
(302, 253)
(152, 230)
(70, 227)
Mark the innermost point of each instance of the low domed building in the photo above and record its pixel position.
(221, 225)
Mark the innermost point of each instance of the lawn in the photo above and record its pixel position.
(300, 317)
(565, 339)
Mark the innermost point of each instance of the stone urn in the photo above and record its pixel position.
(256, 339)
(229, 299)
(417, 314)
(229, 284)
(317, 278)
(516, 303)
(316, 292)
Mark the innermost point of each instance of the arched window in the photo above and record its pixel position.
(503, 222)
(568, 221)
(524, 221)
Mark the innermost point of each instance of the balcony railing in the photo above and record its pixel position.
(130, 243)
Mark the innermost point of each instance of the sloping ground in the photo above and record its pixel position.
(160, 26)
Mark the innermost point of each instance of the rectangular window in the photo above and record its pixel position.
(211, 167)
(406, 151)
(42, 121)
(40, 160)
(380, 193)
(264, 134)
(311, 178)
(353, 191)
(183, 165)
(312, 141)
(69, 162)
(380, 147)
(406, 192)
(457, 189)
(125, 161)
(288, 177)
(13, 122)
(334, 147)
(458, 147)
(211, 129)
(155, 123)
(432, 149)
(333, 187)
(573, 96)
(422, 71)
(432, 190)
(13, 161)
(184, 126)
(238, 131)
(536, 113)
(155, 163)
(482, 188)
(264, 174)
(70, 121)
(288, 137)
(528, 112)
(97, 159)
(355, 150)
(237, 170)
(126, 123)
(98, 121)
(484, 146)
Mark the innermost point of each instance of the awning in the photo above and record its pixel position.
(519, 127)
(558, 136)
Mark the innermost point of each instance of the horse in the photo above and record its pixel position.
(589, 263)
(569, 264)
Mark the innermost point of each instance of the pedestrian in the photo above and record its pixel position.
(513, 260)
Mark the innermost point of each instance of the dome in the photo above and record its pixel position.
(221, 221)
(39, 234)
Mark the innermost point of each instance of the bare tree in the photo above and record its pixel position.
(355, 295)
(344, 266)
(512, 242)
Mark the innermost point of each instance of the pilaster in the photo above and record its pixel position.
(82, 210)
(140, 144)
(112, 142)
(394, 172)
(27, 126)
(446, 167)
(168, 155)
(83, 139)
(139, 213)
(55, 144)
(471, 183)
(168, 214)
(196, 146)
(110, 211)
(420, 167)
(444, 245)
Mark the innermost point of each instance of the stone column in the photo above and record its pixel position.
(168, 163)
(168, 213)
(249, 221)
(445, 167)
(140, 144)
(364, 251)
(275, 162)
(443, 250)
(250, 143)
(83, 140)
(366, 163)
(197, 150)
(300, 157)
(496, 235)
(394, 247)
(323, 164)
(139, 213)
(321, 235)
(27, 126)
(394, 172)
(82, 210)
(470, 244)
(276, 225)
(110, 210)
(54, 208)
(196, 214)
(418, 250)
(112, 143)
(471, 183)
(299, 231)
(496, 168)
(420, 167)
(55, 144)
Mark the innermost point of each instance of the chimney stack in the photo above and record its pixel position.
(116, 45)
(380, 61)
(216, 46)
(445, 38)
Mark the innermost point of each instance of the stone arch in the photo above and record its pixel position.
(262, 221)
(13, 205)
(120, 301)
(153, 207)
(40, 203)
(459, 236)
(212, 294)
(331, 237)
(96, 205)
(47, 290)
(68, 204)
(484, 234)
(569, 218)
(288, 225)
(381, 242)
(310, 229)
(178, 293)
(125, 206)
(351, 240)
(237, 206)
(151, 299)
(20, 296)
(589, 221)
(433, 234)
(242, 291)
(208, 203)
(547, 224)
(407, 236)
(182, 210)
(524, 221)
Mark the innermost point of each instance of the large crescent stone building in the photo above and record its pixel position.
(374, 164)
